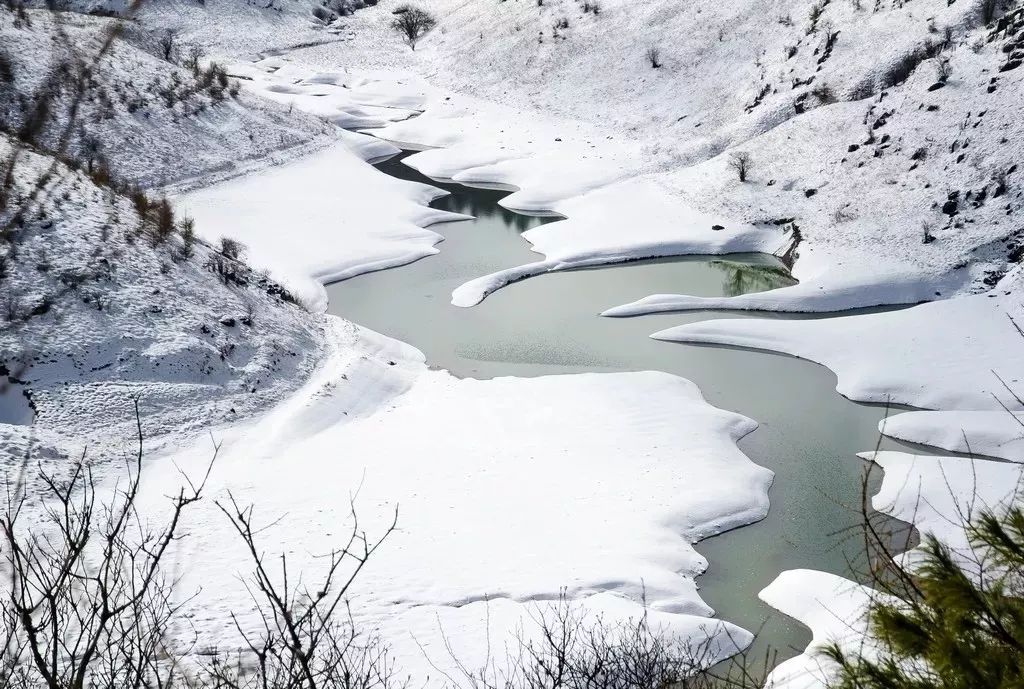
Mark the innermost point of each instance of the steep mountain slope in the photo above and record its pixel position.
(102, 303)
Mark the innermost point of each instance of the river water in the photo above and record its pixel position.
(549, 324)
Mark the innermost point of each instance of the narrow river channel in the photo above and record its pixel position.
(808, 433)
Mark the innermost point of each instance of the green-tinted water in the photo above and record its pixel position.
(808, 433)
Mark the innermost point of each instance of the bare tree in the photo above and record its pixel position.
(653, 56)
(232, 248)
(167, 43)
(741, 162)
(563, 647)
(412, 22)
(308, 637)
(88, 602)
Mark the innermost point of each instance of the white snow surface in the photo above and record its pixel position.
(832, 607)
(860, 166)
(319, 219)
(940, 495)
(637, 159)
(102, 313)
(507, 490)
(947, 354)
(987, 433)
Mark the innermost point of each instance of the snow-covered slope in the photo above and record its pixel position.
(97, 311)
(894, 149)
(509, 491)
(150, 121)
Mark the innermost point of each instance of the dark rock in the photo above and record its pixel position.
(1011, 65)
(810, 192)
(716, 228)
(949, 207)
(228, 322)
(936, 86)
(852, 148)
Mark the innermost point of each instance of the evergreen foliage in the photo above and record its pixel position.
(956, 626)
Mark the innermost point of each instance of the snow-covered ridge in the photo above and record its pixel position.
(151, 121)
(98, 311)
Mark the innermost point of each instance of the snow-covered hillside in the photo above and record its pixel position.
(881, 149)
(150, 120)
(99, 309)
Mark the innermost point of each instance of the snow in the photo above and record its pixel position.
(318, 219)
(910, 356)
(859, 176)
(621, 222)
(637, 162)
(834, 610)
(986, 433)
(940, 495)
(508, 490)
(104, 313)
(155, 125)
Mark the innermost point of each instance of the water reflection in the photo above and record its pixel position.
(480, 203)
(743, 278)
(549, 324)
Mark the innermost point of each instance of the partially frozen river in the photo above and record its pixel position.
(808, 433)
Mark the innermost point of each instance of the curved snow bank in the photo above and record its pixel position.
(344, 100)
(941, 495)
(322, 218)
(990, 433)
(508, 490)
(828, 291)
(624, 221)
(936, 355)
(834, 610)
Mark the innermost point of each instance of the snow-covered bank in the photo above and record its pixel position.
(942, 355)
(834, 610)
(508, 490)
(99, 309)
(876, 226)
(988, 433)
(940, 496)
(320, 218)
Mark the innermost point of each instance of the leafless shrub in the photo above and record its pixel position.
(231, 248)
(653, 56)
(13, 308)
(163, 222)
(943, 69)
(309, 638)
(563, 647)
(89, 603)
(186, 228)
(843, 214)
(193, 58)
(168, 44)
(412, 22)
(814, 15)
(741, 162)
(903, 67)
(824, 93)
